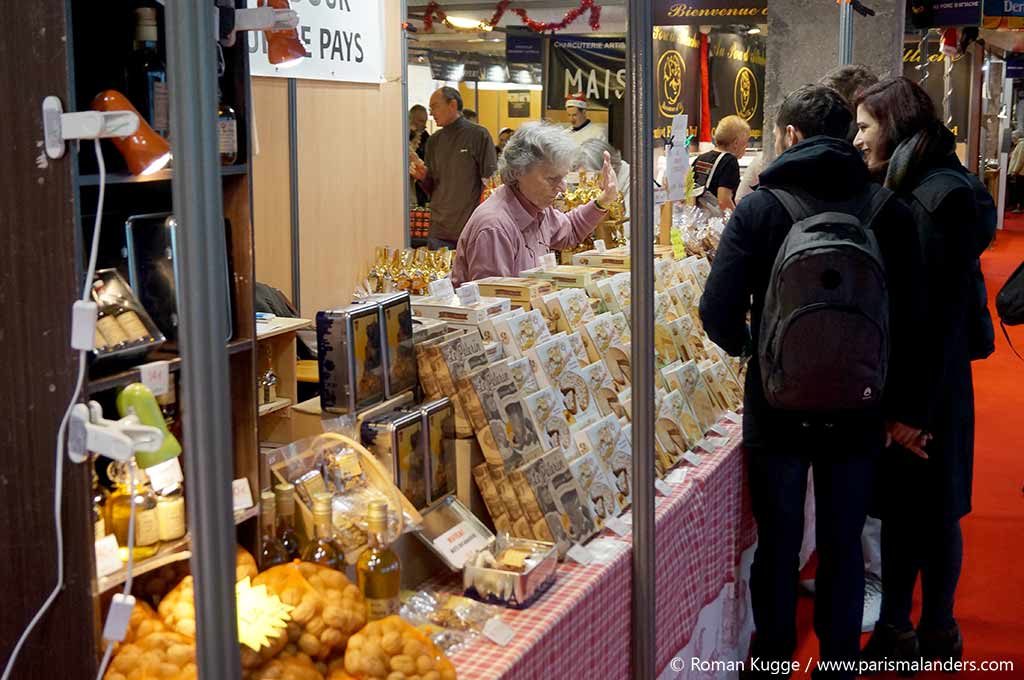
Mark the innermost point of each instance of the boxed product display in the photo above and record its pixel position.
(559, 499)
(349, 357)
(397, 440)
(519, 290)
(616, 258)
(438, 432)
(567, 276)
(397, 342)
(452, 309)
(123, 328)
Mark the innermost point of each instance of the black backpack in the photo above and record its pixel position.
(1010, 303)
(824, 342)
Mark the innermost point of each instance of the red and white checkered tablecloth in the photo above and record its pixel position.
(581, 626)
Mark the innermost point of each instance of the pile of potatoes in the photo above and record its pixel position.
(392, 649)
(287, 666)
(157, 656)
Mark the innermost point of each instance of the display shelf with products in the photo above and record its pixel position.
(161, 176)
(130, 375)
(274, 406)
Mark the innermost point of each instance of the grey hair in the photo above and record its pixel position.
(535, 143)
(590, 156)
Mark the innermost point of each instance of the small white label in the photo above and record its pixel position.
(719, 430)
(717, 442)
(107, 560)
(459, 543)
(663, 487)
(442, 288)
(733, 417)
(498, 632)
(548, 261)
(599, 245)
(156, 376)
(572, 178)
(241, 494)
(469, 293)
(580, 555)
(165, 475)
(619, 526)
(691, 458)
(660, 196)
(676, 477)
(605, 550)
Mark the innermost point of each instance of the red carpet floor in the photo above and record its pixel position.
(990, 599)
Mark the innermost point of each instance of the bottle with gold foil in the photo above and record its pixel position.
(147, 525)
(322, 549)
(379, 571)
(272, 551)
(285, 495)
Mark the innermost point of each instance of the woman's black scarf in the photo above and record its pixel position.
(916, 155)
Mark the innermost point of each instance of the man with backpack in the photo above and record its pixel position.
(825, 262)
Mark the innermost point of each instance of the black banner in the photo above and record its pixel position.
(676, 78)
(736, 65)
(705, 12)
(934, 84)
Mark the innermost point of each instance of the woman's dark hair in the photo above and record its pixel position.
(902, 109)
(815, 110)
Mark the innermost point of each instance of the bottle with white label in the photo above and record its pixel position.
(146, 74)
(170, 513)
(147, 524)
(378, 571)
(227, 128)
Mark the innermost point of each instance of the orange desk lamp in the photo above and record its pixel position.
(144, 151)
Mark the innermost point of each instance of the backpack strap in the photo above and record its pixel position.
(879, 199)
(796, 206)
(1009, 341)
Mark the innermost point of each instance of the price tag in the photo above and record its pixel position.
(498, 632)
(241, 494)
(691, 458)
(165, 475)
(459, 543)
(442, 288)
(572, 178)
(660, 196)
(599, 245)
(469, 293)
(619, 526)
(605, 550)
(717, 442)
(156, 376)
(548, 261)
(733, 417)
(577, 553)
(676, 477)
(719, 430)
(107, 561)
(663, 487)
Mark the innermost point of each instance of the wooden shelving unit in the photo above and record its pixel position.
(276, 343)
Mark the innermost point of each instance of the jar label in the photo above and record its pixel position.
(147, 527)
(380, 608)
(228, 129)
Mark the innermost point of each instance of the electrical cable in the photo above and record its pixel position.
(58, 482)
(129, 568)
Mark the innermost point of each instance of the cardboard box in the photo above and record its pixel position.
(516, 289)
(452, 310)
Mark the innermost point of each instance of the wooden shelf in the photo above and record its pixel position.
(161, 176)
(274, 406)
(169, 553)
(280, 326)
(122, 378)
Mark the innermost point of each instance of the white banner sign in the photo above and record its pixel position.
(678, 164)
(344, 41)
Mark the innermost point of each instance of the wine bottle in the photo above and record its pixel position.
(321, 549)
(285, 496)
(147, 75)
(272, 551)
(379, 571)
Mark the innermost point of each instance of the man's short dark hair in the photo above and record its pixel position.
(450, 94)
(469, 113)
(417, 108)
(815, 110)
(850, 81)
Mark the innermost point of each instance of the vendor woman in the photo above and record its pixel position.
(516, 225)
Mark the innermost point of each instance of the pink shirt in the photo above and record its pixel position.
(507, 234)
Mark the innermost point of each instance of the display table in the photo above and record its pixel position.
(581, 627)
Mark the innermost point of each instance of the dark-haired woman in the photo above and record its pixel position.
(925, 488)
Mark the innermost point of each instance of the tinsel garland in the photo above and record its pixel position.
(434, 11)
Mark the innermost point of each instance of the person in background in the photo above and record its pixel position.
(923, 497)
(458, 162)
(581, 127)
(503, 138)
(517, 224)
(849, 81)
(751, 177)
(840, 448)
(470, 115)
(418, 137)
(590, 158)
(717, 172)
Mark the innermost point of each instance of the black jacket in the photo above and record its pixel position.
(830, 170)
(954, 228)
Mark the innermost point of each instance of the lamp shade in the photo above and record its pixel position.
(145, 152)
(284, 49)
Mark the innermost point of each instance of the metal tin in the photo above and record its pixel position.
(397, 343)
(395, 439)
(114, 289)
(349, 356)
(439, 447)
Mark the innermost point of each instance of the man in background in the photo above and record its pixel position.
(418, 137)
(582, 128)
(470, 115)
(850, 81)
(459, 160)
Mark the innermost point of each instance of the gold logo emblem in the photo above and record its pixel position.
(671, 69)
(744, 94)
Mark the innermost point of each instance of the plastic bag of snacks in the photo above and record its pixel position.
(328, 607)
(393, 649)
(452, 621)
(287, 666)
(177, 610)
(159, 656)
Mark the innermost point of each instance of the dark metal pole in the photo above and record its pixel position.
(198, 205)
(293, 189)
(639, 48)
(845, 33)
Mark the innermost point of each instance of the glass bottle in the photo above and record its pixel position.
(130, 322)
(146, 73)
(379, 571)
(170, 513)
(99, 507)
(285, 495)
(272, 551)
(227, 127)
(321, 549)
(147, 526)
(106, 322)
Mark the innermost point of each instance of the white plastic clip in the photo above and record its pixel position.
(117, 439)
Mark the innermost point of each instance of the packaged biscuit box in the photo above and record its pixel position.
(569, 519)
(619, 363)
(548, 413)
(576, 309)
(516, 289)
(489, 327)
(598, 335)
(453, 310)
(600, 384)
(526, 331)
(579, 348)
(698, 395)
(523, 376)
(597, 488)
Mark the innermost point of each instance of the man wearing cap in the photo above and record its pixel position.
(582, 127)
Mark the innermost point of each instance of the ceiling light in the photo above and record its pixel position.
(754, 31)
(467, 24)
